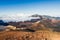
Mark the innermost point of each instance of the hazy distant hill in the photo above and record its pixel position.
(2, 23)
(46, 16)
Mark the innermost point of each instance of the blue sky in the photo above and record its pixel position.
(42, 7)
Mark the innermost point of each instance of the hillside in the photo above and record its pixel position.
(34, 29)
(21, 35)
(54, 25)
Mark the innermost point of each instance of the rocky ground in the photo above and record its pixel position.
(22, 35)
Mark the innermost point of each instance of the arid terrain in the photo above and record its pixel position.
(36, 29)
(21, 35)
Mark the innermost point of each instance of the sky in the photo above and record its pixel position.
(28, 7)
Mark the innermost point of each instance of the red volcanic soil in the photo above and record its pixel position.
(20, 35)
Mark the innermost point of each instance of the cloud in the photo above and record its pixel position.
(17, 17)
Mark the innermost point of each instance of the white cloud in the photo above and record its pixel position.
(17, 17)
